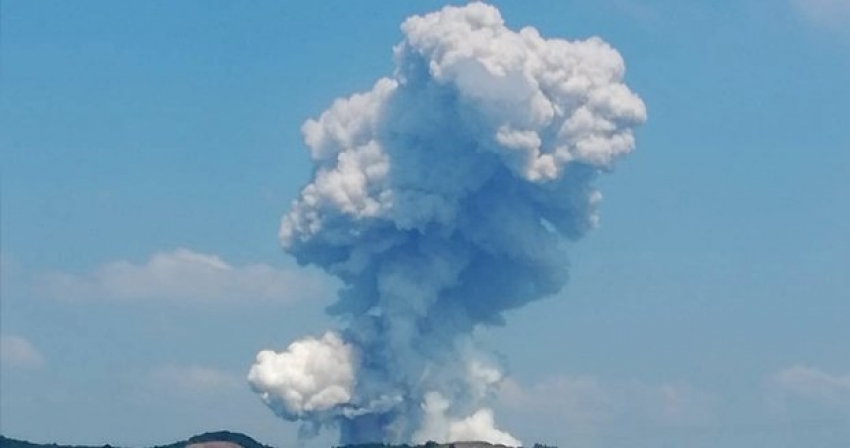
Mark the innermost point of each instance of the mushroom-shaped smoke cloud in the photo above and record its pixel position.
(442, 198)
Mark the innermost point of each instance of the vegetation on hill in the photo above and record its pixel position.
(6, 442)
(217, 436)
(227, 436)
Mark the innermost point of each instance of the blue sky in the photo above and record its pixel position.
(146, 144)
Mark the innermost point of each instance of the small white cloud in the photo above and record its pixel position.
(185, 275)
(16, 351)
(194, 379)
(828, 13)
(810, 384)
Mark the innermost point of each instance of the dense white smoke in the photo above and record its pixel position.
(442, 198)
(437, 425)
(312, 376)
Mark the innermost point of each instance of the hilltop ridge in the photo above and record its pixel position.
(230, 439)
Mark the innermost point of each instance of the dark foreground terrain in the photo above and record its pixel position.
(227, 439)
(219, 439)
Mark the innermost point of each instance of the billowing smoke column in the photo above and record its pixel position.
(441, 198)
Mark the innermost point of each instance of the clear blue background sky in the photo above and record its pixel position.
(711, 308)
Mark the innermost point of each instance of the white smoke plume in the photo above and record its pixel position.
(442, 198)
(437, 425)
(311, 376)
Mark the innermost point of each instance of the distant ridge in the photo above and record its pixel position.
(216, 439)
(229, 439)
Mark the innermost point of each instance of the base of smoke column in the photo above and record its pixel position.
(463, 445)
